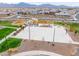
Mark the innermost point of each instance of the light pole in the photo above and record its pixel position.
(29, 31)
(53, 36)
(43, 39)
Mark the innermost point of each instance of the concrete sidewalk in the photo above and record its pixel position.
(37, 53)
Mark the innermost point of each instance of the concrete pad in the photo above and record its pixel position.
(46, 34)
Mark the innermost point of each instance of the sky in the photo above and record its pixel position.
(53, 2)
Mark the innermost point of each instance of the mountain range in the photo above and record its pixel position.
(28, 5)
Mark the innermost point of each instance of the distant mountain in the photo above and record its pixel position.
(47, 5)
(22, 4)
(53, 6)
(27, 5)
(6, 5)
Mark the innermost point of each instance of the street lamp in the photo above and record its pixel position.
(43, 39)
(29, 30)
(53, 36)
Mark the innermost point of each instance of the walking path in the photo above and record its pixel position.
(37, 53)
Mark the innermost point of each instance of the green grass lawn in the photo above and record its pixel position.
(59, 23)
(10, 43)
(73, 26)
(7, 23)
(5, 31)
